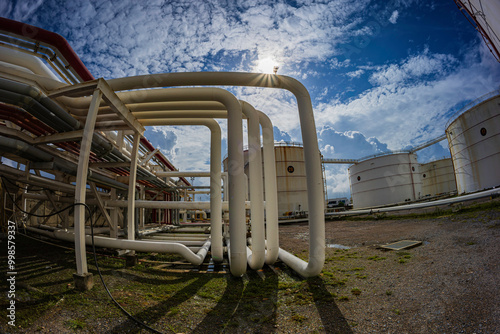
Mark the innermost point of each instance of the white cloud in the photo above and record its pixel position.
(414, 67)
(347, 145)
(394, 17)
(355, 74)
(412, 99)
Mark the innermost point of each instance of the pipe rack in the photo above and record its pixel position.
(79, 119)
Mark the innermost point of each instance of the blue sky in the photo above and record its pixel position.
(383, 75)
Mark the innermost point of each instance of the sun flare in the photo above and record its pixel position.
(267, 65)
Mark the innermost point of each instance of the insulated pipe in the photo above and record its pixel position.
(33, 79)
(30, 32)
(49, 112)
(170, 205)
(35, 108)
(24, 60)
(181, 174)
(268, 151)
(49, 162)
(33, 95)
(22, 149)
(235, 153)
(309, 138)
(45, 53)
(37, 180)
(271, 189)
(256, 257)
(461, 198)
(308, 129)
(140, 246)
(215, 175)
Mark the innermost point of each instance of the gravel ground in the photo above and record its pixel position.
(448, 284)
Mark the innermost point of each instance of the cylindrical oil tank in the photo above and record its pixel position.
(384, 180)
(474, 141)
(291, 179)
(438, 178)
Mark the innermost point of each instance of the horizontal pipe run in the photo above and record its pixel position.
(140, 246)
(188, 243)
(25, 60)
(204, 205)
(183, 174)
(482, 194)
(50, 38)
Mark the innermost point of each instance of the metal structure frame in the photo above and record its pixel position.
(93, 129)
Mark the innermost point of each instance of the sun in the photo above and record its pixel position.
(266, 65)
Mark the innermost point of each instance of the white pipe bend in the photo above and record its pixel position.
(309, 137)
(271, 189)
(235, 153)
(141, 246)
(24, 60)
(255, 258)
(215, 179)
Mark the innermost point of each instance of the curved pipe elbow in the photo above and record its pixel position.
(305, 269)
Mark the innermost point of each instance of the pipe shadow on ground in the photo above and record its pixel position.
(332, 318)
(157, 311)
(252, 306)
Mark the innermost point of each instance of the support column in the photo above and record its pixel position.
(83, 279)
(113, 232)
(131, 188)
(142, 196)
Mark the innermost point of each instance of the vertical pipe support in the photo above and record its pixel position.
(131, 188)
(81, 183)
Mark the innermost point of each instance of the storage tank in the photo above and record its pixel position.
(438, 178)
(386, 179)
(290, 178)
(474, 141)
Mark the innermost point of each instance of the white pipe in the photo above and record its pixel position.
(309, 138)
(256, 257)
(131, 189)
(235, 153)
(32, 79)
(202, 205)
(171, 109)
(22, 59)
(182, 174)
(457, 199)
(271, 189)
(215, 179)
(140, 246)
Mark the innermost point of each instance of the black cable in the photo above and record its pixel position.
(139, 322)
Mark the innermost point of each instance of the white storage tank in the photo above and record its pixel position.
(438, 178)
(386, 179)
(290, 178)
(474, 141)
